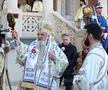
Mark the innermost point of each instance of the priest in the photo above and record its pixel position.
(43, 60)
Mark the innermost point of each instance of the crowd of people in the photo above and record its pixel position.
(91, 75)
(37, 6)
(45, 61)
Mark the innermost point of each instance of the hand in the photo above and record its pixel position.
(51, 55)
(63, 48)
(14, 34)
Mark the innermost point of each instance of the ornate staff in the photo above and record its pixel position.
(51, 38)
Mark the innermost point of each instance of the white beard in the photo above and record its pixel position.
(42, 43)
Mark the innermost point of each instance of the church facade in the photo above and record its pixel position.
(60, 12)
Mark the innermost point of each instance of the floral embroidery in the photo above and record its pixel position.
(33, 50)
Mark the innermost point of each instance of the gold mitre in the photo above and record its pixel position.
(87, 10)
(46, 27)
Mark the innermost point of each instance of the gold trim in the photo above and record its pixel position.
(40, 88)
(27, 85)
(20, 62)
(31, 85)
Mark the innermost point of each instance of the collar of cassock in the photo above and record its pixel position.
(95, 45)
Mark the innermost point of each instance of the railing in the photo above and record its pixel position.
(27, 25)
(61, 25)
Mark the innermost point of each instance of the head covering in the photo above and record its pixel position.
(87, 10)
(97, 5)
(46, 27)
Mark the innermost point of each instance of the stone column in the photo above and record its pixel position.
(48, 8)
(63, 8)
(59, 6)
(104, 4)
(11, 3)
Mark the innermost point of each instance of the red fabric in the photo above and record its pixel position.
(14, 33)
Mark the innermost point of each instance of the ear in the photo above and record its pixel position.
(90, 36)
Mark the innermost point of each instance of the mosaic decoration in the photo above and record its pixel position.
(30, 23)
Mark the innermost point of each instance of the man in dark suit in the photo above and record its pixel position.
(70, 51)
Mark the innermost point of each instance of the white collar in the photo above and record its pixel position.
(95, 45)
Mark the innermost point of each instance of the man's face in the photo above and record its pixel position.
(66, 40)
(42, 36)
(99, 11)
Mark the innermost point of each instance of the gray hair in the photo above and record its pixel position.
(65, 34)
